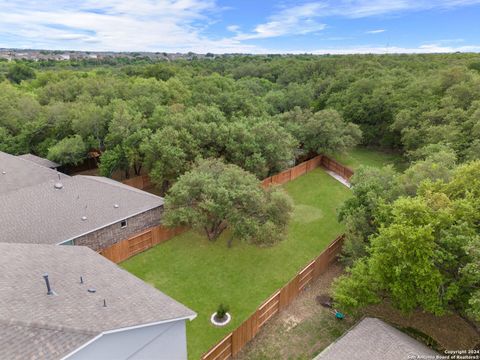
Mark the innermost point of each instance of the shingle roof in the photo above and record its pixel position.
(34, 211)
(39, 161)
(17, 173)
(373, 339)
(61, 323)
(20, 342)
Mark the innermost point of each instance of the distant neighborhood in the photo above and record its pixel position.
(64, 55)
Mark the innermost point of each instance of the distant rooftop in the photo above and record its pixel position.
(43, 206)
(39, 161)
(373, 339)
(18, 173)
(36, 325)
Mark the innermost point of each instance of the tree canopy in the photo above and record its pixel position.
(423, 252)
(215, 196)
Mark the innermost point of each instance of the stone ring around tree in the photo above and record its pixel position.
(220, 321)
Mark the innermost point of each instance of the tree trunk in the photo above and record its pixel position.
(215, 230)
(137, 168)
(164, 188)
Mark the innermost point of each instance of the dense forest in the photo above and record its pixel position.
(259, 112)
(412, 237)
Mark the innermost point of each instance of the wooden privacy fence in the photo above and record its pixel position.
(237, 339)
(294, 172)
(139, 242)
(144, 182)
(336, 167)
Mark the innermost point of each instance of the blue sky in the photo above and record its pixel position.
(247, 26)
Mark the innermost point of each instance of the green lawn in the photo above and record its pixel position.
(363, 156)
(201, 274)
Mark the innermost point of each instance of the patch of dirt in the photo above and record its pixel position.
(306, 327)
(449, 331)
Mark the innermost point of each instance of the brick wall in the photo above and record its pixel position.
(107, 236)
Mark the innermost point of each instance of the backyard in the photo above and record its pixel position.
(202, 274)
(363, 156)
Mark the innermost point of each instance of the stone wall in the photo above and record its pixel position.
(107, 236)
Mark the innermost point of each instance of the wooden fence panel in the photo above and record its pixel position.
(244, 333)
(282, 177)
(140, 243)
(306, 276)
(298, 170)
(314, 163)
(268, 309)
(117, 252)
(221, 351)
(288, 293)
(267, 182)
(321, 264)
(336, 167)
(127, 248)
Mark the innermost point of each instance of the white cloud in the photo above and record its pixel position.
(178, 25)
(378, 31)
(422, 49)
(233, 28)
(121, 25)
(305, 18)
(290, 21)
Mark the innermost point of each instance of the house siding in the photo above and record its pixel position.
(109, 235)
(157, 342)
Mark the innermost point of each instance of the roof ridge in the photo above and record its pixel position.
(118, 184)
(32, 162)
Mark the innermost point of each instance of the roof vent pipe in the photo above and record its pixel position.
(49, 289)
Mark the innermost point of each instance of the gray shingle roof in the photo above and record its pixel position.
(373, 339)
(20, 342)
(17, 173)
(34, 211)
(39, 161)
(61, 323)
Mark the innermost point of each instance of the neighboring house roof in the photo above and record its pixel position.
(373, 339)
(36, 325)
(17, 173)
(40, 161)
(34, 211)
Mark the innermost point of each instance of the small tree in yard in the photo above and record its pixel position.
(222, 311)
(214, 196)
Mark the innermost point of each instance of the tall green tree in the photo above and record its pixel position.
(214, 196)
